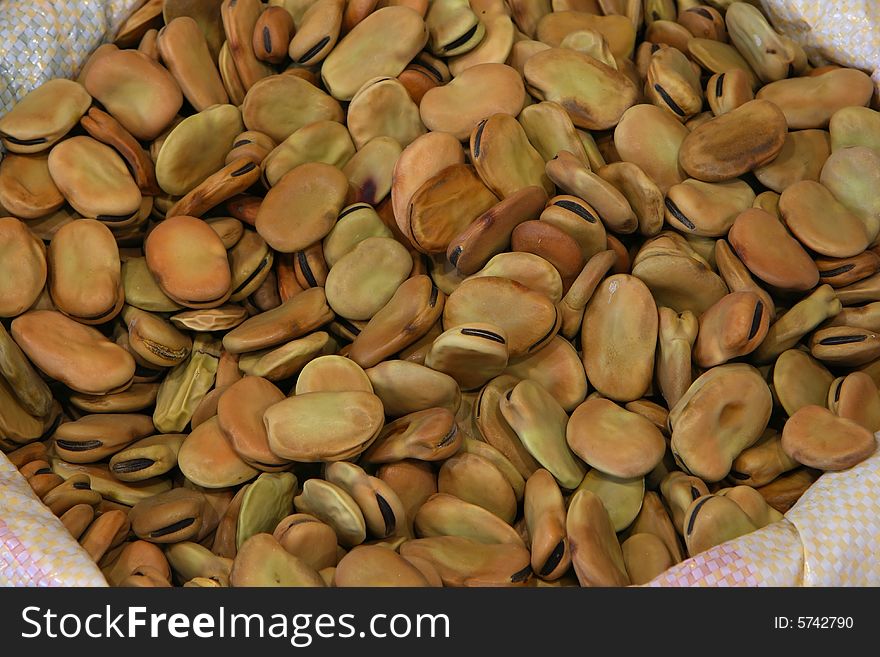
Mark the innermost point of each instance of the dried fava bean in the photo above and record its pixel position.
(79, 356)
(280, 363)
(445, 205)
(189, 560)
(85, 280)
(855, 397)
(852, 175)
(279, 105)
(94, 179)
(420, 161)
(108, 530)
(462, 561)
(317, 32)
(74, 490)
(854, 126)
(405, 387)
(108, 130)
(383, 512)
(453, 28)
(240, 412)
(318, 191)
(544, 512)
(22, 267)
(252, 145)
(642, 193)
(428, 435)
(617, 30)
(707, 209)
(801, 318)
(207, 459)
(800, 380)
(763, 462)
(753, 503)
(550, 130)
(184, 387)
(332, 373)
(504, 158)
(365, 279)
(540, 423)
(309, 539)
(712, 520)
(817, 438)
(323, 426)
(646, 556)
(763, 244)
(802, 157)
(383, 108)
(354, 224)
(367, 51)
(221, 318)
(706, 442)
(613, 440)
(422, 74)
(806, 207)
(95, 437)
(842, 345)
(331, 504)
(552, 244)
(673, 84)
(592, 43)
(264, 504)
(196, 148)
(26, 186)
(27, 386)
(766, 51)
(595, 551)
(184, 50)
(294, 318)
(447, 515)
(263, 561)
(677, 334)
(594, 94)
(734, 143)
(651, 137)
(239, 19)
(526, 268)
(146, 458)
(470, 353)
(138, 92)
(580, 220)
(407, 317)
(727, 91)
(619, 333)
(475, 479)
(189, 262)
(529, 318)
(372, 565)
(857, 317)
(44, 116)
(176, 515)
(477, 93)
(490, 233)
(370, 170)
(828, 93)
(621, 497)
(654, 519)
(733, 327)
(558, 368)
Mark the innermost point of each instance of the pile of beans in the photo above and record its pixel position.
(423, 293)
